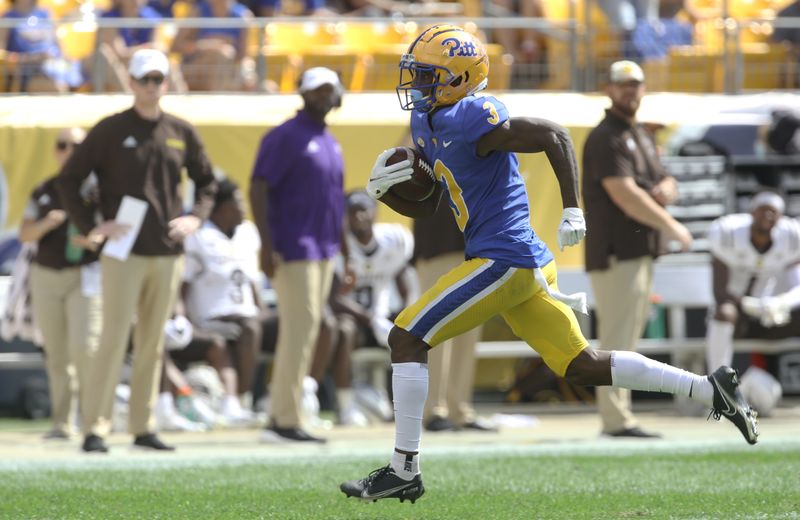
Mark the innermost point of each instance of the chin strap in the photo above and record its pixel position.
(576, 301)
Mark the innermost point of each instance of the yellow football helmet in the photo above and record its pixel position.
(443, 65)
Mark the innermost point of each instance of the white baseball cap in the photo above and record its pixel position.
(768, 198)
(315, 77)
(625, 70)
(144, 61)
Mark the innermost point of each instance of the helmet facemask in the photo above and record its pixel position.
(419, 83)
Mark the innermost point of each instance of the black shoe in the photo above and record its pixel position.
(634, 432)
(94, 444)
(481, 425)
(384, 483)
(275, 434)
(149, 441)
(730, 402)
(439, 424)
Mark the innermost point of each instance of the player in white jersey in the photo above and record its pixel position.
(220, 292)
(379, 255)
(756, 276)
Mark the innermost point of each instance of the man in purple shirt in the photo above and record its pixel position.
(297, 197)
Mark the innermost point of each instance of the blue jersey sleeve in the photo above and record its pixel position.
(481, 116)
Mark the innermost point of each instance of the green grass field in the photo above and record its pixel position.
(760, 483)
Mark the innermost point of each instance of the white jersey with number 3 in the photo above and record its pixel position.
(729, 238)
(220, 270)
(377, 264)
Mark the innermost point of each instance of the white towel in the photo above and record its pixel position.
(576, 301)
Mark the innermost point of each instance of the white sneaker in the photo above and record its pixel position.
(310, 403)
(352, 416)
(197, 410)
(174, 422)
(374, 401)
(234, 415)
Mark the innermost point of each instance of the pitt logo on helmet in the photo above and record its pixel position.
(443, 65)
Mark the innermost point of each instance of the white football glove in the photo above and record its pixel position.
(572, 228)
(384, 177)
(771, 311)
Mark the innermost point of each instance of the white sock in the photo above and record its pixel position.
(719, 348)
(166, 403)
(344, 396)
(406, 466)
(636, 372)
(231, 405)
(410, 389)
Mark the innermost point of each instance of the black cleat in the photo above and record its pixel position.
(730, 402)
(384, 483)
(94, 444)
(149, 442)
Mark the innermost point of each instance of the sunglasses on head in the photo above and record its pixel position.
(155, 80)
(63, 145)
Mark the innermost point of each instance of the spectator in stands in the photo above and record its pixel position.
(297, 197)
(756, 276)
(117, 45)
(625, 189)
(438, 248)
(379, 258)
(622, 15)
(788, 34)
(65, 289)
(32, 53)
(528, 46)
(220, 291)
(215, 58)
(150, 149)
(652, 39)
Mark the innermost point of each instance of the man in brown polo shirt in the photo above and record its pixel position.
(64, 292)
(139, 153)
(625, 189)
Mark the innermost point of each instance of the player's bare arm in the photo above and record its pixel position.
(412, 209)
(720, 278)
(532, 135)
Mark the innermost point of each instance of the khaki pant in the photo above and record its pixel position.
(302, 288)
(70, 326)
(622, 296)
(144, 288)
(451, 365)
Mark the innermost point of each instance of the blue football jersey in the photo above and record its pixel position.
(487, 194)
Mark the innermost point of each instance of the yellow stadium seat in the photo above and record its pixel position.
(657, 74)
(300, 37)
(77, 39)
(282, 69)
(60, 8)
(605, 47)
(767, 66)
(350, 67)
(383, 72)
(364, 37)
(182, 9)
(500, 63)
(693, 69)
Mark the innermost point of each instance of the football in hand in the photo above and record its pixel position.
(422, 182)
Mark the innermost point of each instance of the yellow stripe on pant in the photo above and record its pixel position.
(478, 289)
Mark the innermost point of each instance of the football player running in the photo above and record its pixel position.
(471, 142)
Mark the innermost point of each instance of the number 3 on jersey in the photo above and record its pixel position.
(460, 210)
(456, 193)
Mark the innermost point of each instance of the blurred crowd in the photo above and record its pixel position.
(74, 45)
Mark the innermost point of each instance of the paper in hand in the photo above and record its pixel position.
(131, 212)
